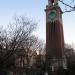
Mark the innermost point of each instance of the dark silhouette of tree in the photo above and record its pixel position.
(70, 58)
(18, 43)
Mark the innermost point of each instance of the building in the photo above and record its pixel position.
(54, 36)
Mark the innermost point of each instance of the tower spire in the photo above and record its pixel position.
(52, 2)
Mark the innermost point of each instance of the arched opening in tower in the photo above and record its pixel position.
(52, 1)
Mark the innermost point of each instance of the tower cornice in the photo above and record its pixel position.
(55, 7)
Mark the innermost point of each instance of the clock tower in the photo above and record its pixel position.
(54, 36)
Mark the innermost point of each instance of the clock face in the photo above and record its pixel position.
(52, 15)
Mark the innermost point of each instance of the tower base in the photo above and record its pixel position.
(55, 65)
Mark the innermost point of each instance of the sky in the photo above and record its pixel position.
(34, 9)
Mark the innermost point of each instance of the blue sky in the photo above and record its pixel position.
(34, 9)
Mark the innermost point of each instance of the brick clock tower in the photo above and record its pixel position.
(54, 36)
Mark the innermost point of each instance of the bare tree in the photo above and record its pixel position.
(19, 43)
(18, 34)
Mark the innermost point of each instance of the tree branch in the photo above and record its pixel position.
(72, 7)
